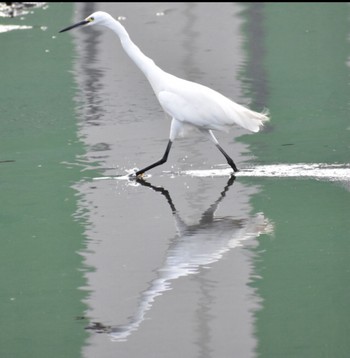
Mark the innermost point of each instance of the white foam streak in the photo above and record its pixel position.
(313, 170)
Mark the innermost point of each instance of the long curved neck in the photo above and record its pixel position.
(144, 63)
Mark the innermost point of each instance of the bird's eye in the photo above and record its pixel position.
(91, 19)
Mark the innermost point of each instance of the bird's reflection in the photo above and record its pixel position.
(193, 247)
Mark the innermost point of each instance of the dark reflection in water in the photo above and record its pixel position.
(90, 78)
(191, 70)
(255, 76)
(203, 315)
(194, 247)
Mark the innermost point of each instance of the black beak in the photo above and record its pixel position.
(84, 22)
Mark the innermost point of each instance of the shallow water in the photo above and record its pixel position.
(190, 261)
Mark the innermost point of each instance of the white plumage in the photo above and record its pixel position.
(188, 103)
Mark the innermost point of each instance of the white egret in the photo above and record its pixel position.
(188, 103)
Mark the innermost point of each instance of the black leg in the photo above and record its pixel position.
(229, 160)
(159, 162)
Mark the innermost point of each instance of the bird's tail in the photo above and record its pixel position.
(252, 120)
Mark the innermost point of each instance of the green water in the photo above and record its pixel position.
(40, 296)
(306, 50)
(304, 268)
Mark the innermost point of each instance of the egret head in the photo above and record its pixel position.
(97, 18)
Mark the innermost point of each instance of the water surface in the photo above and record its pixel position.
(191, 261)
